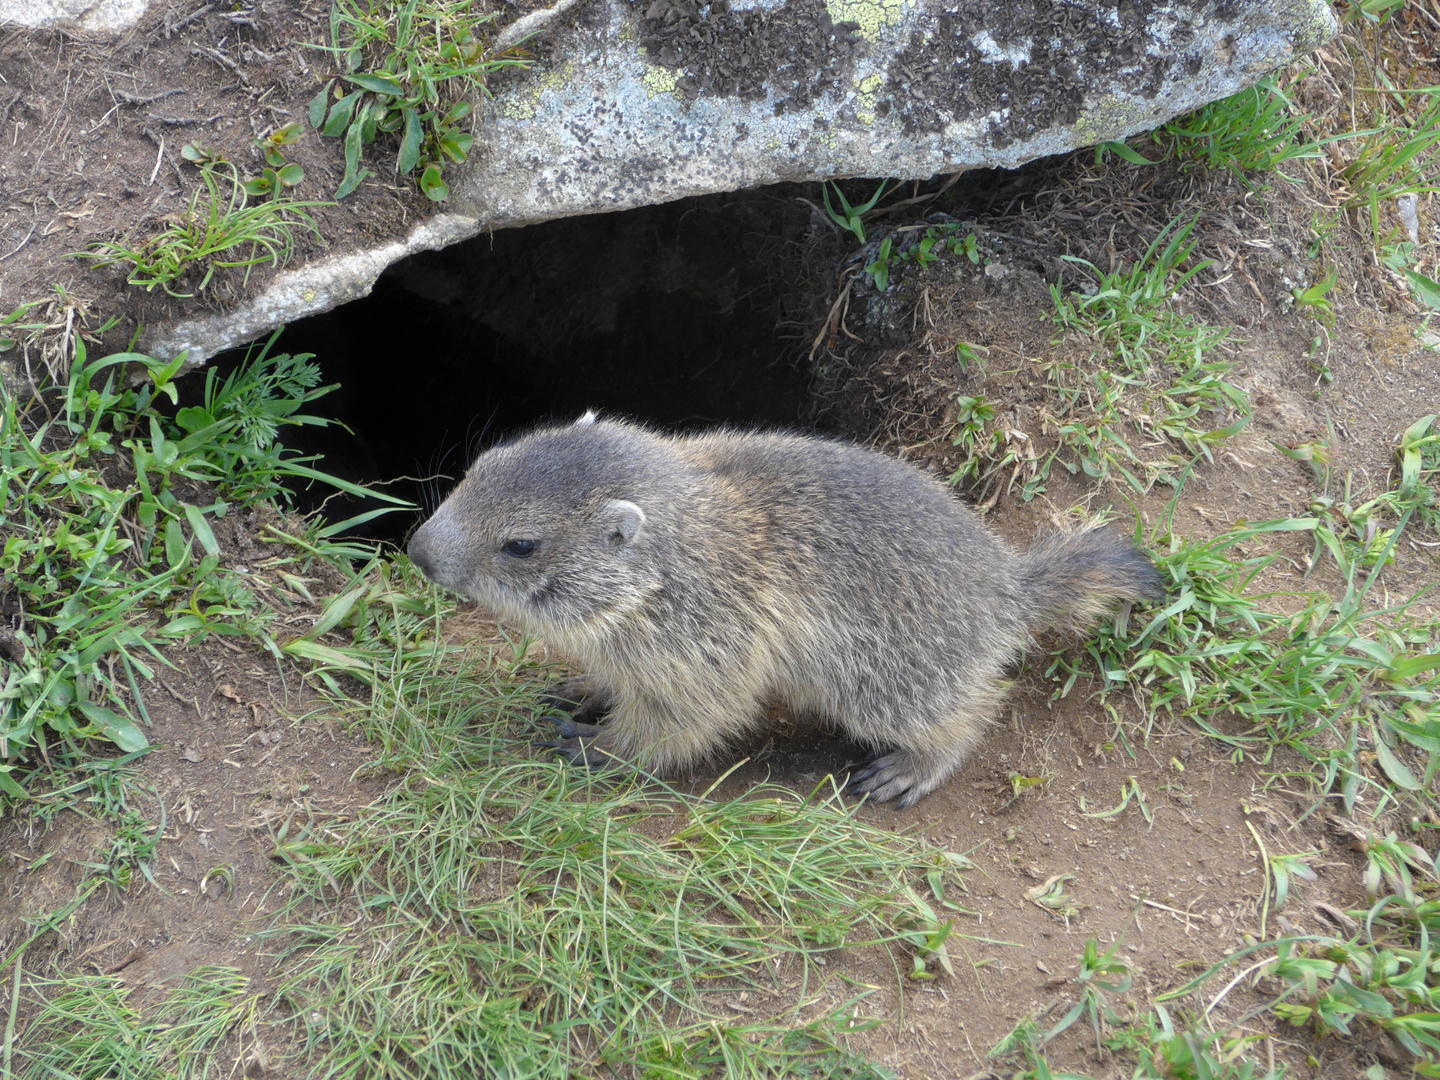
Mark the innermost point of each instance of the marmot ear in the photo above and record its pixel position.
(622, 521)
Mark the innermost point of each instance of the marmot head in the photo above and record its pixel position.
(548, 532)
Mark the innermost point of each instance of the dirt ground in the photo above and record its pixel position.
(94, 128)
(241, 750)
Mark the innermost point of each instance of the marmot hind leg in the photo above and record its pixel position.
(903, 775)
(914, 760)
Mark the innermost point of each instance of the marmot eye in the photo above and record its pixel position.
(521, 549)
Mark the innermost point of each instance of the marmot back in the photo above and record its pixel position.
(697, 579)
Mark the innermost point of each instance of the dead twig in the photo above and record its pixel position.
(221, 59)
(125, 961)
(175, 28)
(145, 99)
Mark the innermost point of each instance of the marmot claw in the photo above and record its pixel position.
(580, 751)
(566, 727)
(884, 775)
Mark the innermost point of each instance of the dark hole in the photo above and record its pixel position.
(679, 315)
(684, 315)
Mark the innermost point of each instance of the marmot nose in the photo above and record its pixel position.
(420, 555)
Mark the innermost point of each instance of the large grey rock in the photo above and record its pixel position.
(652, 101)
(97, 16)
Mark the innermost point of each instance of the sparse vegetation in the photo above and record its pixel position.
(1157, 377)
(1324, 680)
(218, 230)
(408, 70)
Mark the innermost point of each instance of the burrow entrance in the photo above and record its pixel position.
(683, 315)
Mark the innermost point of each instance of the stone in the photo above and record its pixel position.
(94, 16)
(642, 102)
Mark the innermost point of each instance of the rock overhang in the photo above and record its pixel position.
(637, 103)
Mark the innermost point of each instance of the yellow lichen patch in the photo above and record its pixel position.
(871, 15)
(660, 80)
(1110, 117)
(522, 104)
(869, 88)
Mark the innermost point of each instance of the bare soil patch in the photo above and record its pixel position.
(95, 127)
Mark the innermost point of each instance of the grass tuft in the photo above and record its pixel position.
(509, 911)
(88, 1028)
(1335, 680)
(218, 230)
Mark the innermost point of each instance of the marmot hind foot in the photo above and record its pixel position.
(579, 697)
(893, 774)
(579, 743)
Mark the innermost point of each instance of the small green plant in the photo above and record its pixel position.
(1419, 460)
(405, 70)
(981, 449)
(1372, 11)
(15, 324)
(1393, 863)
(278, 176)
(879, 269)
(970, 356)
(1096, 975)
(927, 251)
(1129, 790)
(850, 218)
(216, 231)
(1315, 299)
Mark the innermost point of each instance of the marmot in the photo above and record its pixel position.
(699, 578)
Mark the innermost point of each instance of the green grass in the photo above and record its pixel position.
(1257, 129)
(408, 70)
(1332, 679)
(87, 1027)
(1154, 393)
(219, 229)
(106, 512)
(604, 939)
(597, 915)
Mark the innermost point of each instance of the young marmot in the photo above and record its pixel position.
(698, 579)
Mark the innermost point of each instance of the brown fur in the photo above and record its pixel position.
(696, 579)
